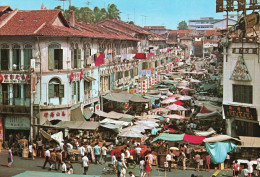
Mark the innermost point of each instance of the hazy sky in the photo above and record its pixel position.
(144, 12)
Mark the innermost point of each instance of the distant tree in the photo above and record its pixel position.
(88, 15)
(182, 25)
(131, 22)
(113, 12)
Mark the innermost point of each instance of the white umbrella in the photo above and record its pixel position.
(147, 123)
(133, 128)
(185, 97)
(131, 134)
(160, 110)
(174, 116)
(175, 107)
(167, 101)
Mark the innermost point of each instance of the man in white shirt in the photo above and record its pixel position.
(138, 152)
(85, 164)
(89, 149)
(30, 151)
(47, 157)
(61, 145)
(63, 167)
(104, 153)
(122, 156)
(169, 160)
(82, 150)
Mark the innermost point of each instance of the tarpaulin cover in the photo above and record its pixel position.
(169, 137)
(178, 102)
(204, 110)
(218, 151)
(193, 139)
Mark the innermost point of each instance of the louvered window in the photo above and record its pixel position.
(243, 94)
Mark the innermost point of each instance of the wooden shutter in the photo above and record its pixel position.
(1, 94)
(72, 58)
(27, 57)
(78, 58)
(51, 90)
(51, 60)
(61, 90)
(60, 58)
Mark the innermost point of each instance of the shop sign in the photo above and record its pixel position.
(240, 112)
(17, 123)
(15, 78)
(91, 100)
(55, 115)
(76, 76)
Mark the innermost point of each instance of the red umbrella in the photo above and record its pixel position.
(178, 102)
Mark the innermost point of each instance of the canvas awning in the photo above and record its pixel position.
(247, 141)
(76, 114)
(219, 138)
(89, 78)
(204, 133)
(115, 128)
(114, 115)
(87, 113)
(169, 137)
(79, 125)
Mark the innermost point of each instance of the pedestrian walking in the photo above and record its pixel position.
(169, 160)
(53, 160)
(138, 152)
(90, 151)
(122, 155)
(47, 157)
(141, 166)
(197, 160)
(63, 167)
(82, 150)
(113, 160)
(257, 167)
(104, 153)
(118, 167)
(250, 168)
(85, 164)
(10, 157)
(69, 168)
(147, 168)
(131, 174)
(30, 147)
(97, 151)
(245, 171)
(236, 168)
(59, 159)
(183, 158)
(123, 171)
(208, 161)
(39, 147)
(127, 155)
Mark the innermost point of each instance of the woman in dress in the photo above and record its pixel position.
(147, 168)
(10, 157)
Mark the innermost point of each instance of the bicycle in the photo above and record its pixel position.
(110, 169)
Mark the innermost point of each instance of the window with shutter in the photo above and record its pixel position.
(51, 59)
(4, 59)
(75, 58)
(61, 91)
(51, 90)
(58, 58)
(27, 90)
(243, 94)
(17, 58)
(27, 57)
(78, 90)
(78, 58)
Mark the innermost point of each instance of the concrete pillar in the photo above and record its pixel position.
(11, 94)
(10, 59)
(22, 60)
(22, 95)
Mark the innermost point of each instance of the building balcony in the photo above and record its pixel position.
(14, 109)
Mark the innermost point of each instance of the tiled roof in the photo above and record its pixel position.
(4, 8)
(154, 27)
(119, 25)
(43, 23)
(212, 32)
(186, 31)
(29, 22)
(185, 38)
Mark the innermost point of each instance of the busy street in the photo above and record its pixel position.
(91, 89)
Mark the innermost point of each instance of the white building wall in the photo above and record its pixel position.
(253, 66)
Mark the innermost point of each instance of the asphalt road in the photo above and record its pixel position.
(20, 165)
